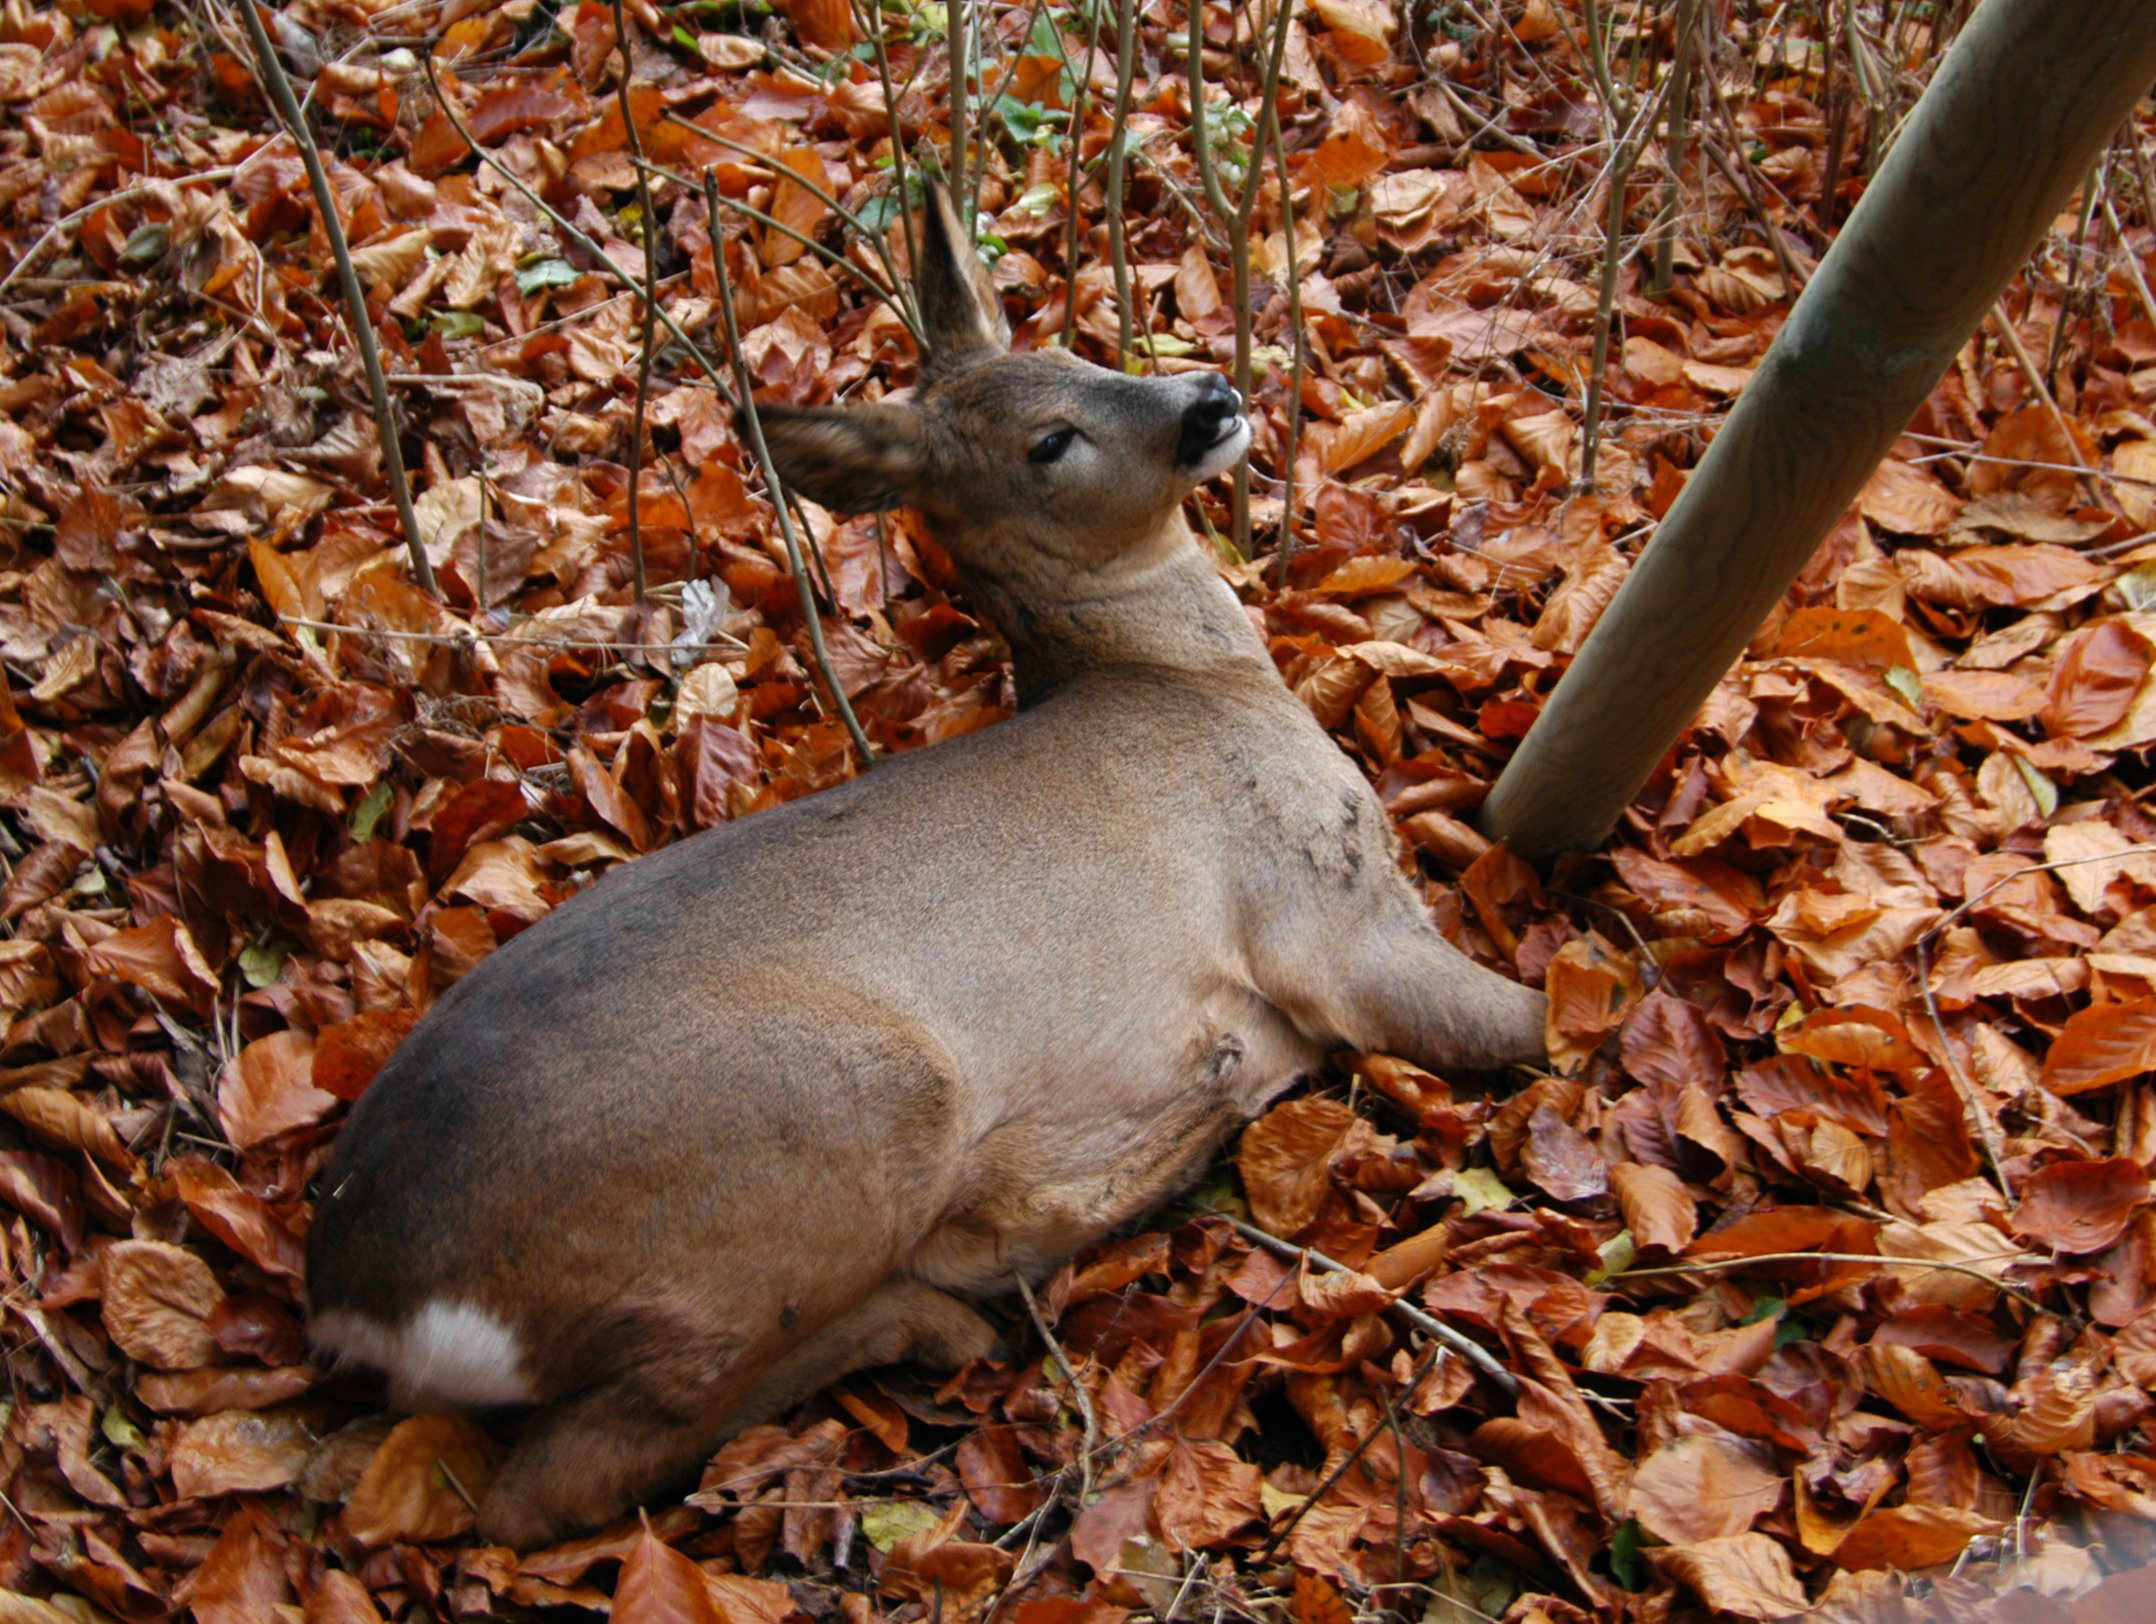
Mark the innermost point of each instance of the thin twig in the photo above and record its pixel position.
(1472, 1352)
(1679, 107)
(131, 194)
(1126, 60)
(650, 221)
(1325, 1484)
(2042, 390)
(1083, 1398)
(279, 90)
(755, 427)
(1718, 1264)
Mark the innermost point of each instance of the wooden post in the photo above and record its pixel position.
(2025, 99)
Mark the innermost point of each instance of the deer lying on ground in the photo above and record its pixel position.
(768, 1106)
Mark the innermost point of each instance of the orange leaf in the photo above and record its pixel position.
(1912, 1537)
(2095, 684)
(659, 1585)
(158, 1299)
(1316, 1602)
(2080, 1206)
(268, 1090)
(347, 1055)
(405, 1493)
(2102, 1045)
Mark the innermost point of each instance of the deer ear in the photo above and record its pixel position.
(961, 316)
(857, 460)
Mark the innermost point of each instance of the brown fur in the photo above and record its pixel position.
(761, 1108)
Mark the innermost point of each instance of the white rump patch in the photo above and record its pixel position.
(457, 1352)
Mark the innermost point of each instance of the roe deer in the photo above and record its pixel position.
(763, 1108)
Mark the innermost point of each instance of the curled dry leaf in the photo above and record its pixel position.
(1746, 1574)
(659, 1585)
(158, 1300)
(1910, 1537)
(415, 1487)
(2080, 1206)
(1704, 1487)
(238, 1450)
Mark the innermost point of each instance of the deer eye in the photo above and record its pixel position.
(1053, 446)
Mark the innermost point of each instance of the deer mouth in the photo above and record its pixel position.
(1205, 456)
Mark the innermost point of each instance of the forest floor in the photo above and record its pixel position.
(1821, 1256)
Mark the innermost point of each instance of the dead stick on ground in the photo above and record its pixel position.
(1475, 1355)
(2035, 380)
(1083, 1398)
(279, 90)
(650, 223)
(772, 483)
(1347, 1464)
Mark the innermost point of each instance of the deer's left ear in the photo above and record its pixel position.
(855, 459)
(960, 312)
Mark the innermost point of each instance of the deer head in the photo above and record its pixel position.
(1043, 476)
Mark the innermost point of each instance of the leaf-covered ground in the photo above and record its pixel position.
(1823, 1253)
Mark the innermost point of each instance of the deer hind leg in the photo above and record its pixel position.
(588, 1459)
(903, 1319)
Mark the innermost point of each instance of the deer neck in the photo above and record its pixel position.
(1167, 612)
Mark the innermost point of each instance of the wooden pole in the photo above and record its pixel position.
(2024, 101)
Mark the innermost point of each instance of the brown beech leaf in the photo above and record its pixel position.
(1912, 1384)
(1316, 1602)
(341, 1599)
(161, 959)
(1560, 1159)
(347, 1055)
(157, 1304)
(2080, 1206)
(1746, 1574)
(996, 1476)
(2102, 1045)
(242, 1580)
(1206, 1493)
(238, 1450)
(244, 1222)
(2094, 685)
(1286, 1161)
(406, 1493)
(1704, 1487)
(1908, 1537)
(659, 1585)
(269, 1089)
(235, 1387)
(1657, 1208)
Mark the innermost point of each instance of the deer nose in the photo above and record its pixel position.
(1209, 417)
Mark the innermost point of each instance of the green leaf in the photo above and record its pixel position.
(546, 273)
(2045, 791)
(120, 1432)
(1478, 1187)
(885, 1526)
(1763, 1309)
(2138, 586)
(369, 812)
(683, 38)
(457, 323)
(1039, 199)
(147, 244)
(1906, 683)
(1624, 1553)
(1618, 1254)
(262, 961)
